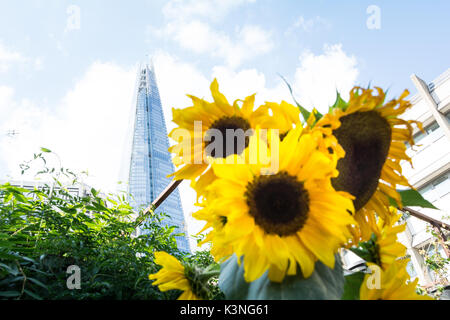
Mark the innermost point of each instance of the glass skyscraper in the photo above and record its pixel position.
(150, 160)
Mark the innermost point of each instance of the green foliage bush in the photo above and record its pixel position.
(44, 231)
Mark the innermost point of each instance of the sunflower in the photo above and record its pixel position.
(389, 249)
(287, 116)
(290, 217)
(363, 230)
(394, 284)
(383, 245)
(373, 137)
(323, 132)
(173, 276)
(215, 223)
(199, 121)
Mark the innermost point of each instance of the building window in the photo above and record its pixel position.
(428, 130)
(436, 189)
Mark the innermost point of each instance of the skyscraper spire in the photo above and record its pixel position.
(152, 66)
(150, 160)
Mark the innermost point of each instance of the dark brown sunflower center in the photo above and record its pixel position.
(228, 136)
(366, 138)
(279, 203)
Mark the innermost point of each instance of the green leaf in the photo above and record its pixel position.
(6, 244)
(8, 198)
(11, 270)
(368, 250)
(45, 150)
(317, 116)
(412, 198)
(363, 253)
(28, 259)
(33, 295)
(93, 226)
(9, 294)
(352, 286)
(19, 197)
(68, 210)
(6, 256)
(323, 284)
(38, 283)
(305, 113)
(339, 103)
(94, 192)
(13, 189)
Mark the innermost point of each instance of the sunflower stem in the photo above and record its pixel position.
(209, 275)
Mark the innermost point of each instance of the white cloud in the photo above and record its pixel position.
(196, 36)
(86, 131)
(175, 79)
(6, 96)
(190, 24)
(246, 43)
(190, 80)
(9, 57)
(316, 79)
(309, 25)
(319, 76)
(240, 84)
(251, 41)
(38, 64)
(12, 58)
(24, 118)
(210, 9)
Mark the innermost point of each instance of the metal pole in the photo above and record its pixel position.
(426, 218)
(437, 225)
(157, 202)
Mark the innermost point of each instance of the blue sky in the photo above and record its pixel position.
(411, 38)
(67, 68)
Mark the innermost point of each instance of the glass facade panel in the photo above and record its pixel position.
(150, 160)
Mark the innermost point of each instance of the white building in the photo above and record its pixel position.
(78, 189)
(431, 172)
